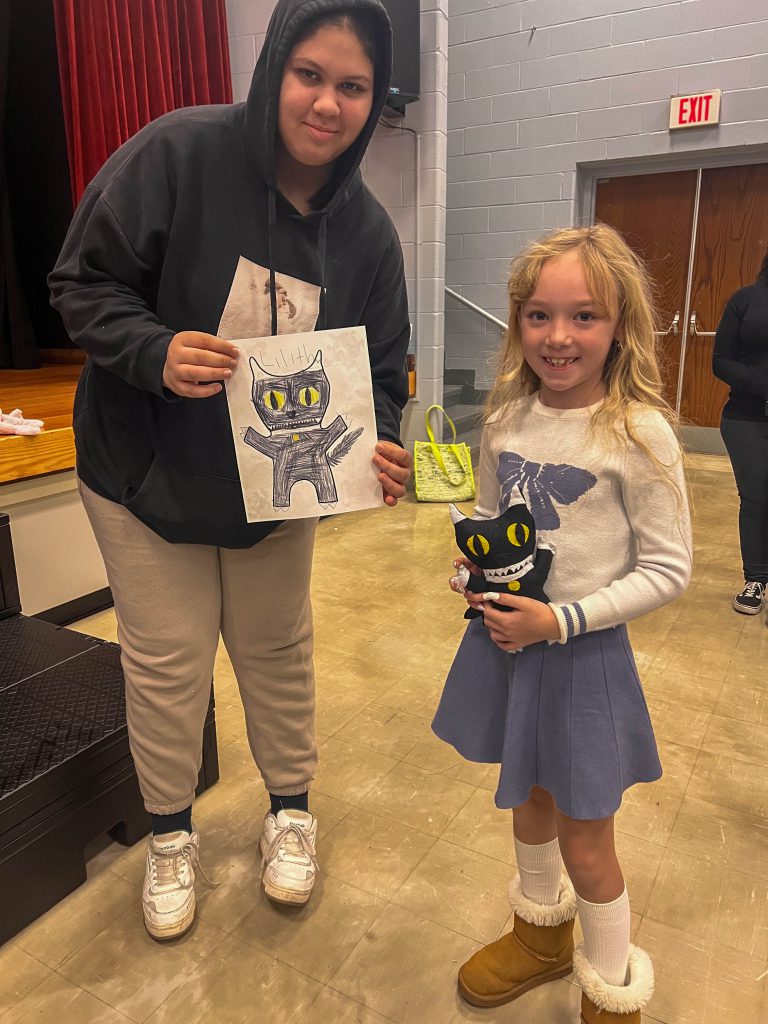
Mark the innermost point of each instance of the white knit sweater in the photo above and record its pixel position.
(622, 533)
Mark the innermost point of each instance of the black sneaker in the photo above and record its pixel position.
(750, 600)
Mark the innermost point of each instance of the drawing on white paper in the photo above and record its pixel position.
(303, 422)
(292, 407)
(300, 403)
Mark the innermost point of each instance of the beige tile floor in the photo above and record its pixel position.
(415, 858)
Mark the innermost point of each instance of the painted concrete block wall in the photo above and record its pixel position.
(537, 88)
(389, 170)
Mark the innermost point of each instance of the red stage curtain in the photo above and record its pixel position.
(122, 63)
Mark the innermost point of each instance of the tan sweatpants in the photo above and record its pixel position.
(171, 603)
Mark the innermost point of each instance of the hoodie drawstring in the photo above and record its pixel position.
(272, 221)
(322, 242)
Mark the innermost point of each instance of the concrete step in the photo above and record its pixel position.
(465, 418)
(452, 396)
(472, 438)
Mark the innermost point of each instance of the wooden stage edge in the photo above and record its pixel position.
(46, 394)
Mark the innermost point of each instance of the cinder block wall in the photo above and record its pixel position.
(389, 171)
(537, 88)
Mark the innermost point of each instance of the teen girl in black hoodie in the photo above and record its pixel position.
(271, 185)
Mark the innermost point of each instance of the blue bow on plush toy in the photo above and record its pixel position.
(509, 551)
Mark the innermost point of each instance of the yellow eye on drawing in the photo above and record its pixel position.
(309, 397)
(478, 545)
(274, 400)
(516, 531)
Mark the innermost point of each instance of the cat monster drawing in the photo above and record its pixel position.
(292, 407)
(513, 558)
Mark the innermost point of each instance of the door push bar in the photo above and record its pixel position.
(674, 327)
(694, 330)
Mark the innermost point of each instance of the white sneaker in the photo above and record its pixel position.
(168, 898)
(289, 863)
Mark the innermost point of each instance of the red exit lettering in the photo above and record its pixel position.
(694, 109)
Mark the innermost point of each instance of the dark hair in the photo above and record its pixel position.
(358, 22)
(762, 274)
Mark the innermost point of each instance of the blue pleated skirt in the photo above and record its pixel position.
(570, 718)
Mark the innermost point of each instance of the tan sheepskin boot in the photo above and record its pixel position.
(602, 1003)
(538, 949)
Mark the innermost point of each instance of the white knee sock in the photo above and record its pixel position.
(540, 868)
(606, 936)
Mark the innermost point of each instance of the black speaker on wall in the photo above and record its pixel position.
(406, 55)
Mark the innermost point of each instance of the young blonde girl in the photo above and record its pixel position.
(550, 691)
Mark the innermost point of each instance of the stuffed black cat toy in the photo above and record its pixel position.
(513, 558)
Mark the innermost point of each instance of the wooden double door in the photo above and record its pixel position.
(703, 234)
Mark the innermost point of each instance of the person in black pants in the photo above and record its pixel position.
(741, 359)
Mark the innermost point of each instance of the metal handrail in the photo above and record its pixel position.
(477, 309)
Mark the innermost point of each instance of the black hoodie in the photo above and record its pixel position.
(152, 250)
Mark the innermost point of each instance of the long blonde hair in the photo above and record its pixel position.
(620, 284)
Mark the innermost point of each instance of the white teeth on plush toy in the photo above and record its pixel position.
(506, 571)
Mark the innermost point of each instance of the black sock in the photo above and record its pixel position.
(284, 803)
(181, 821)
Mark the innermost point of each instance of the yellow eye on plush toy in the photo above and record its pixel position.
(515, 531)
(478, 545)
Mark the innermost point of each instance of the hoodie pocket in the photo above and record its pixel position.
(184, 507)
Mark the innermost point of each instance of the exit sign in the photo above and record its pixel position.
(692, 111)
